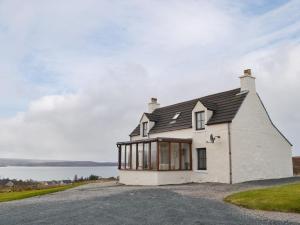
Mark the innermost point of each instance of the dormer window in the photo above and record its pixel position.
(200, 120)
(145, 129)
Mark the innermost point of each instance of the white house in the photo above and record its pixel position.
(226, 137)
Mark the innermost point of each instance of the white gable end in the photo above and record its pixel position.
(198, 108)
(144, 119)
(150, 125)
(259, 151)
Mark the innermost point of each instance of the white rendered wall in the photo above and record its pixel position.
(258, 150)
(137, 177)
(217, 153)
(217, 157)
(184, 133)
(154, 177)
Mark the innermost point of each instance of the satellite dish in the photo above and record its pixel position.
(212, 139)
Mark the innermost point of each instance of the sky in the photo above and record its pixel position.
(77, 75)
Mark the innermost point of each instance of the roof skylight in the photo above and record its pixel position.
(176, 116)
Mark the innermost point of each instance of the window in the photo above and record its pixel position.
(164, 156)
(176, 116)
(146, 156)
(128, 156)
(123, 156)
(200, 120)
(145, 127)
(175, 156)
(133, 156)
(140, 156)
(159, 154)
(153, 155)
(201, 158)
(185, 157)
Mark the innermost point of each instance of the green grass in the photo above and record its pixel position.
(285, 198)
(10, 196)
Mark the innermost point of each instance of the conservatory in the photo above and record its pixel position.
(142, 161)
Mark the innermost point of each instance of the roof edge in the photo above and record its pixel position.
(194, 99)
(272, 121)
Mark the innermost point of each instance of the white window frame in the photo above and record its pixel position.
(200, 121)
(145, 129)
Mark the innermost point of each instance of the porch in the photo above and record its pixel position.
(155, 154)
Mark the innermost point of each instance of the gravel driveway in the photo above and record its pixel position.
(110, 204)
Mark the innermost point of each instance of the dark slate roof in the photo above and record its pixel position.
(152, 117)
(224, 106)
(136, 131)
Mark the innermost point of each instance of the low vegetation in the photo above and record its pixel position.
(285, 198)
(17, 195)
(17, 189)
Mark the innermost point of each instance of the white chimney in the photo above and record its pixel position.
(248, 81)
(153, 105)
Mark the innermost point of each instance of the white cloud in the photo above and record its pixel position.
(278, 83)
(86, 71)
(74, 126)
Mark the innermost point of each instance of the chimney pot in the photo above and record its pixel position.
(247, 72)
(248, 81)
(154, 100)
(153, 105)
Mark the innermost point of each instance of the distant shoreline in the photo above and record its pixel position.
(56, 166)
(49, 173)
(52, 163)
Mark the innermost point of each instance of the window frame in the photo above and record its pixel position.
(145, 129)
(199, 159)
(175, 117)
(201, 119)
(153, 152)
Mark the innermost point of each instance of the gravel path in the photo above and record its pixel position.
(111, 204)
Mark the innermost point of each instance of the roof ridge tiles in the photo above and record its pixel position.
(197, 99)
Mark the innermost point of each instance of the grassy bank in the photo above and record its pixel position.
(17, 195)
(284, 198)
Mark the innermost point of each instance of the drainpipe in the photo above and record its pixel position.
(230, 160)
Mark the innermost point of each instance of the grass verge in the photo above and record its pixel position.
(285, 198)
(10, 196)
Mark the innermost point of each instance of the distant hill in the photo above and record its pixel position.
(32, 162)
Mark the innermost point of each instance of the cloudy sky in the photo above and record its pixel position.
(76, 75)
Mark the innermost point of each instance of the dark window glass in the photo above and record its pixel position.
(145, 127)
(154, 155)
(140, 156)
(128, 156)
(164, 156)
(133, 157)
(200, 120)
(185, 157)
(123, 156)
(175, 156)
(201, 158)
(146, 156)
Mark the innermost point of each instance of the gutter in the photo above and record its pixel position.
(230, 158)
